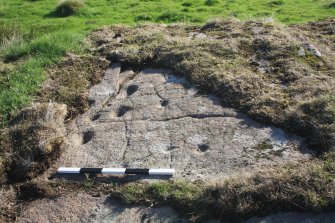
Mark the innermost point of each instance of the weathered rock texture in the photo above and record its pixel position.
(155, 119)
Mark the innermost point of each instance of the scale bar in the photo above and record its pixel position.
(137, 171)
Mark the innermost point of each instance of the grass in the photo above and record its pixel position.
(23, 82)
(44, 35)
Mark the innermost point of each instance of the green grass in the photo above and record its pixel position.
(41, 38)
(20, 84)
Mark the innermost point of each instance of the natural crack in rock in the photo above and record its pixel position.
(155, 119)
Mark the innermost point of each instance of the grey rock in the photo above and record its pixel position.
(151, 120)
(312, 49)
(100, 93)
(301, 52)
(200, 36)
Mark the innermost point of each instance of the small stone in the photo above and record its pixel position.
(262, 70)
(200, 36)
(311, 48)
(268, 20)
(301, 52)
(256, 30)
(255, 63)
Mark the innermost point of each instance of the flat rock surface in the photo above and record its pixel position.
(155, 119)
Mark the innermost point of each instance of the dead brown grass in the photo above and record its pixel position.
(8, 205)
(252, 66)
(36, 136)
(69, 81)
(306, 187)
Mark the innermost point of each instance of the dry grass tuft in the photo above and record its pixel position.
(8, 206)
(36, 134)
(69, 81)
(9, 32)
(306, 187)
(34, 190)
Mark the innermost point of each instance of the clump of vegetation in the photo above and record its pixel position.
(68, 8)
(165, 192)
(171, 16)
(187, 4)
(331, 5)
(211, 2)
(143, 18)
(9, 31)
(34, 190)
(68, 82)
(36, 136)
(275, 3)
(180, 194)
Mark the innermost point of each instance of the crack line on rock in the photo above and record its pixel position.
(171, 144)
(120, 86)
(195, 116)
(127, 135)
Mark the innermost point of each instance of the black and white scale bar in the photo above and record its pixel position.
(168, 172)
